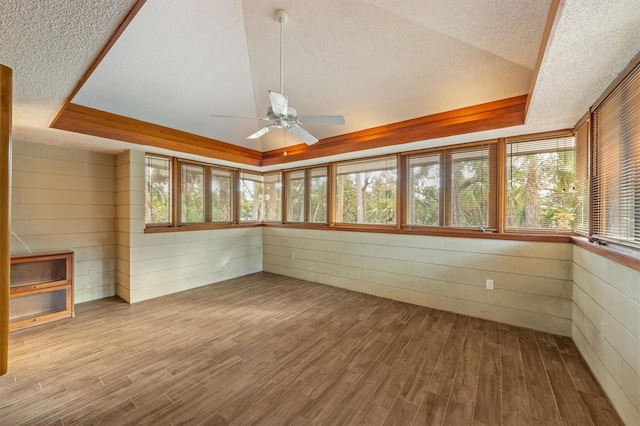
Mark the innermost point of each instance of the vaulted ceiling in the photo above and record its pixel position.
(139, 65)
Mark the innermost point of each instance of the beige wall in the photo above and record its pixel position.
(65, 199)
(532, 280)
(606, 327)
(152, 265)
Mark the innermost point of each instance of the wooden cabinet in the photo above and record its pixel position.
(41, 288)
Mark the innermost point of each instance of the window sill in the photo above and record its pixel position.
(426, 231)
(199, 227)
(628, 257)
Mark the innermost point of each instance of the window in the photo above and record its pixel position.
(318, 195)
(250, 196)
(541, 192)
(221, 195)
(307, 195)
(453, 187)
(472, 187)
(616, 163)
(271, 197)
(296, 196)
(366, 191)
(157, 190)
(192, 193)
(424, 190)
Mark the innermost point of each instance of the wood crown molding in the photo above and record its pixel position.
(90, 121)
(487, 116)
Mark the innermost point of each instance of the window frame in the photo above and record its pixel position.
(332, 193)
(445, 195)
(533, 138)
(171, 192)
(614, 102)
(307, 196)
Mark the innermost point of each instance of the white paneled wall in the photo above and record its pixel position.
(606, 327)
(532, 280)
(152, 265)
(65, 199)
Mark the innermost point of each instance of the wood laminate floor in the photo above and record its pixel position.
(272, 350)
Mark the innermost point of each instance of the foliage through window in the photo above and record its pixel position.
(424, 190)
(221, 195)
(453, 187)
(471, 187)
(271, 197)
(157, 190)
(366, 191)
(307, 195)
(250, 196)
(318, 196)
(541, 176)
(192, 193)
(296, 195)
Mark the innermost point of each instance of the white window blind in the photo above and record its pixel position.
(582, 178)
(616, 164)
(541, 184)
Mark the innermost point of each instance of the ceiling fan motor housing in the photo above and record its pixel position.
(282, 16)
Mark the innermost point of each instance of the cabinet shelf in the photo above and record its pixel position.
(41, 288)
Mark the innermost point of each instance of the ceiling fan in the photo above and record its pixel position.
(280, 114)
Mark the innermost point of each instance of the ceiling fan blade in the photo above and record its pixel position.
(303, 135)
(279, 102)
(243, 118)
(321, 119)
(262, 131)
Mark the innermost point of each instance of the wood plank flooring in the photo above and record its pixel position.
(272, 350)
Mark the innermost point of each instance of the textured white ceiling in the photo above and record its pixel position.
(374, 64)
(374, 61)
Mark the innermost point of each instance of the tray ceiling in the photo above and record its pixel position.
(374, 61)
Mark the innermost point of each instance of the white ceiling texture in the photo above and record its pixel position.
(374, 61)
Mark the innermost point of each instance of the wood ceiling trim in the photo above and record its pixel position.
(90, 121)
(488, 116)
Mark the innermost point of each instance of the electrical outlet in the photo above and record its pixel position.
(92, 270)
(293, 255)
(489, 284)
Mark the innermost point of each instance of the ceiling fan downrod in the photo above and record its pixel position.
(283, 17)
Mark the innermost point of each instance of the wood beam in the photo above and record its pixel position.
(6, 88)
(90, 121)
(488, 116)
(492, 115)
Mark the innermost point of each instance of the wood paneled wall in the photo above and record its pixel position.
(65, 199)
(532, 279)
(606, 327)
(6, 89)
(152, 265)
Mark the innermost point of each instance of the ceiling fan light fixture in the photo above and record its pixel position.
(280, 114)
